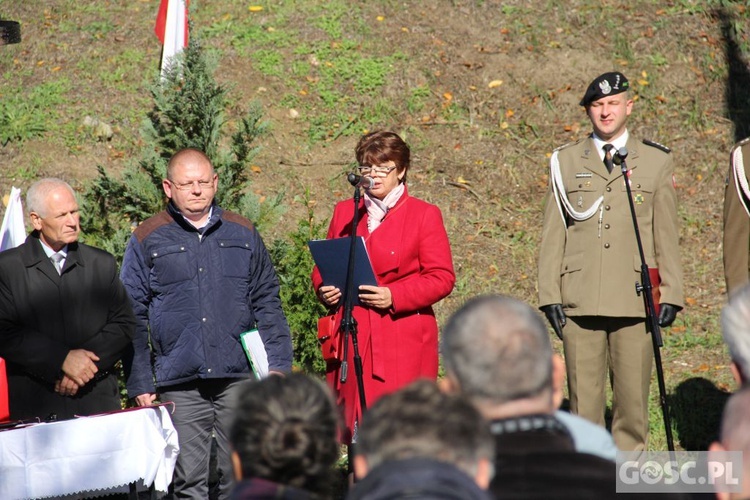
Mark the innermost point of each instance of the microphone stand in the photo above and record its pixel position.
(644, 289)
(348, 323)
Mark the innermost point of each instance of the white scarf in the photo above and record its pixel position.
(377, 209)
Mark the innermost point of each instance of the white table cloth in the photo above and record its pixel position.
(102, 453)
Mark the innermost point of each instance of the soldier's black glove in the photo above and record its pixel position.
(556, 318)
(667, 314)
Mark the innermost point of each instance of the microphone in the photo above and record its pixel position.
(360, 181)
(620, 156)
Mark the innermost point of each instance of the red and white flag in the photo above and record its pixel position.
(171, 29)
(13, 232)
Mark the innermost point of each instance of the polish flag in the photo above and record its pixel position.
(171, 29)
(13, 232)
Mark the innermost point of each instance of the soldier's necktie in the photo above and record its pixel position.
(608, 157)
(57, 259)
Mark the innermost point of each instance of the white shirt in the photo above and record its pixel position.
(617, 143)
(49, 252)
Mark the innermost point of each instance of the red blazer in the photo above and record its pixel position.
(410, 255)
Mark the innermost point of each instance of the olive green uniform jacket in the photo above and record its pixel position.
(736, 221)
(591, 266)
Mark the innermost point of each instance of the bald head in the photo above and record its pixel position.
(187, 156)
(498, 351)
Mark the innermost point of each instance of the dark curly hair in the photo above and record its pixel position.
(285, 431)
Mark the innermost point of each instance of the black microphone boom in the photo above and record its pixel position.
(620, 155)
(360, 181)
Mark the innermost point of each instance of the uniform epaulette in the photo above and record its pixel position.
(568, 144)
(657, 145)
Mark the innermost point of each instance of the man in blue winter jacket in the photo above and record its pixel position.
(198, 277)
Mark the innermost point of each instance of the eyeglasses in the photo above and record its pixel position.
(187, 186)
(375, 170)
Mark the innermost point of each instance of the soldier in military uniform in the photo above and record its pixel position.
(737, 218)
(589, 261)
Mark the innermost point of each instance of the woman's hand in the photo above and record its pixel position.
(329, 295)
(378, 297)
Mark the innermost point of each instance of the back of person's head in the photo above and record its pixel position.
(735, 327)
(735, 436)
(496, 349)
(285, 431)
(421, 422)
(735, 421)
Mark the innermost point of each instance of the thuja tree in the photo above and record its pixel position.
(293, 264)
(188, 111)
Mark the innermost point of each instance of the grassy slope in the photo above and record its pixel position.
(483, 91)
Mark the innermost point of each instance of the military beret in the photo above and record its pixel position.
(605, 85)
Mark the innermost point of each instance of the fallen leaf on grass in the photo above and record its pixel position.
(461, 180)
(495, 83)
(256, 169)
(255, 8)
(690, 301)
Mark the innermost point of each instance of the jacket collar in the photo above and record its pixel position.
(592, 162)
(32, 254)
(216, 213)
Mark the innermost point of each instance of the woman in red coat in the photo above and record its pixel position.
(411, 257)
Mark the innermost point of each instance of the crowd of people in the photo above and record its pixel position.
(195, 277)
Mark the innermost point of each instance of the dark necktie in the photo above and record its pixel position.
(608, 157)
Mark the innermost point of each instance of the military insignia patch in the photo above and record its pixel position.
(583, 175)
(580, 202)
(638, 199)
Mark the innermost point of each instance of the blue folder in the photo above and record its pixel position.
(332, 259)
